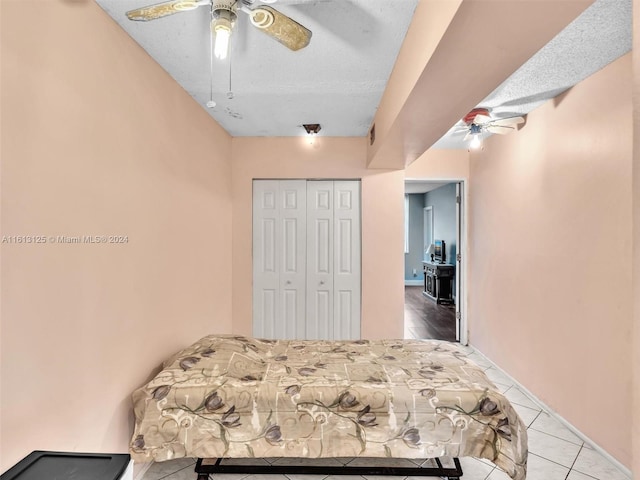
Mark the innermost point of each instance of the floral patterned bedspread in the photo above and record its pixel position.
(232, 396)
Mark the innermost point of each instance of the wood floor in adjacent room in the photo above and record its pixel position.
(423, 318)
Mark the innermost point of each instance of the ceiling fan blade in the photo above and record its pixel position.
(159, 10)
(481, 119)
(500, 129)
(506, 122)
(277, 25)
(466, 137)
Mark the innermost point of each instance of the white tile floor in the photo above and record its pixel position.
(555, 453)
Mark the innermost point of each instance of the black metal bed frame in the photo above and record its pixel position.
(204, 471)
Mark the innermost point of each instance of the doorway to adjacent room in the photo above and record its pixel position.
(434, 265)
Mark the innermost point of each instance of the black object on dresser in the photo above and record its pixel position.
(438, 281)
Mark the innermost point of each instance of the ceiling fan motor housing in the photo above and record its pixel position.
(223, 8)
(224, 5)
(223, 15)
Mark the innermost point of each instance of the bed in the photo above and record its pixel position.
(240, 397)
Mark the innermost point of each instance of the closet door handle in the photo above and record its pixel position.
(288, 282)
(321, 282)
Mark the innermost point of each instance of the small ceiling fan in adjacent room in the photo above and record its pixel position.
(282, 28)
(478, 121)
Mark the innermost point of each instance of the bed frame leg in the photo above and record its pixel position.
(203, 476)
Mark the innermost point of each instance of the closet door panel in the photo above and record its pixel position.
(347, 260)
(320, 227)
(293, 207)
(268, 305)
(266, 258)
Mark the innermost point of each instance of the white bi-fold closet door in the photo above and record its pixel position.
(306, 259)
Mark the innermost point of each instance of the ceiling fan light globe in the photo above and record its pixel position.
(221, 49)
(261, 18)
(475, 142)
(221, 27)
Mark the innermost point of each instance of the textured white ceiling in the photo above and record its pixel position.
(337, 81)
(600, 35)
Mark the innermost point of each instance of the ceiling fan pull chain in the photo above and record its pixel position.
(230, 94)
(211, 103)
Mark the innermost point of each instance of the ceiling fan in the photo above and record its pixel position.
(478, 121)
(223, 17)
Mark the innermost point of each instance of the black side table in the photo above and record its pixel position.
(43, 465)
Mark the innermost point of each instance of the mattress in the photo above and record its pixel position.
(238, 397)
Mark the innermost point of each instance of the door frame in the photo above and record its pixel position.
(424, 217)
(462, 295)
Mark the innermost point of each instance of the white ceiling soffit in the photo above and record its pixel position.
(420, 187)
(337, 81)
(600, 35)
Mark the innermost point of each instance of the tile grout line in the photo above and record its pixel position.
(574, 461)
(289, 478)
(177, 471)
(490, 472)
(534, 421)
(556, 463)
(554, 436)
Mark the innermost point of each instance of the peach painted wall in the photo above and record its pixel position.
(98, 140)
(382, 221)
(550, 297)
(440, 164)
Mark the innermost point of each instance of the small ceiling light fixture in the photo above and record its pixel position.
(476, 143)
(312, 128)
(223, 18)
(476, 137)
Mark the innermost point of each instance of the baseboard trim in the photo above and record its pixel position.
(562, 420)
(413, 283)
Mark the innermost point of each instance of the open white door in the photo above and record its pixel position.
(458, 264)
